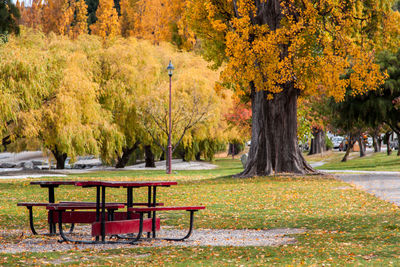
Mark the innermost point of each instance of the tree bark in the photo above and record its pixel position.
(274, 147)
(317, 142)
(60, 158)
(350, 146)
(362, 146)
(126, 154)
(387, 139)
(377, 143)
(5, 142)
(149, 157)
(198, 156)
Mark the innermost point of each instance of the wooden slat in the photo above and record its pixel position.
(166, 208)
(46, 183)
(134, 204)
(32, 204)
(82, 206)
(87, 216)
(125, 183)
(124, 227)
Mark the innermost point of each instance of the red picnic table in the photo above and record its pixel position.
(110, 223)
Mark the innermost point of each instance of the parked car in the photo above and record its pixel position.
(369, 142)
(336, 140)
(394, 144)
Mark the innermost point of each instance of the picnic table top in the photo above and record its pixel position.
(125, 183)
(105, 183)
(52, 183)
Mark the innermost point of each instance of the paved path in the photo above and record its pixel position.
(384, 185)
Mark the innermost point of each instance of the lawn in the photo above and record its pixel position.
(372, 162)
(343, 225)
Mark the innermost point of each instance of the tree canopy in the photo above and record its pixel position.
(278, 50)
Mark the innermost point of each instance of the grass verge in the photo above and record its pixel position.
(375, 162)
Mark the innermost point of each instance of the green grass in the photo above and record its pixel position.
(374, 162)
(344, 226)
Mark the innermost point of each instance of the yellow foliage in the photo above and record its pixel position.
(107, 24)
(80, 22)
(311, 47)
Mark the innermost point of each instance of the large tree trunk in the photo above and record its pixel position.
(317, 142)
(274, 147)
(126, 154)
(60, 158)
(149, 157)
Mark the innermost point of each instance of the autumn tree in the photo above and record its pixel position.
(24, 80)
(9, 15)
(157, 21)
(57, 96)
(57, 16)
(79, 23)
(278, 50)
(195, 102)
(128, 69)
(107, 24)
(31, 15)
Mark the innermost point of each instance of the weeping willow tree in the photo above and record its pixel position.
(56, 100)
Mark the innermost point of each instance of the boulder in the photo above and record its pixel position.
(7, 165)
(38, 162)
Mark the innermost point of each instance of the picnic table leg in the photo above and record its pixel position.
(153, 226)
(129, 201)
(190, 229)
(103, 214)
(149, 205)
(64, 237)
(52, 225)
(31, 220)
(97, 207)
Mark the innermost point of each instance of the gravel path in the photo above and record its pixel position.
(384, 185)
(20, 241)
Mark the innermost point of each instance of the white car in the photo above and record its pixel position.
(336, 140)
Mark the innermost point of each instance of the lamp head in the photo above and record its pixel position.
(170, 68)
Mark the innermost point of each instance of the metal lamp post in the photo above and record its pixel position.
(170, 69)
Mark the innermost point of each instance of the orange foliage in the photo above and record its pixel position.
(57, 16)
(80, 25)
(155, 20)
(31, 17)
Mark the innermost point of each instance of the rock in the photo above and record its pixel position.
(7, 165)
(38, 162)
(28, 165)
(243, 159)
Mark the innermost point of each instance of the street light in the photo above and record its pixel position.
(170, 69)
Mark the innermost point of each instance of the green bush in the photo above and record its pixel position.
(328, 143)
